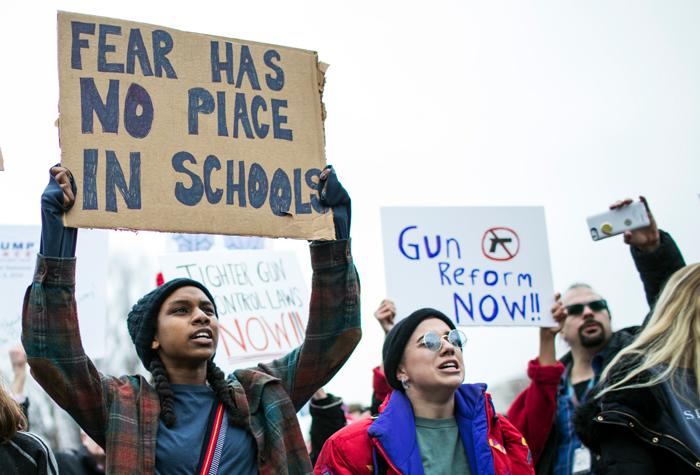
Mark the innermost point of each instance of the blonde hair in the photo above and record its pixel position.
(671, 339)
(11, 416)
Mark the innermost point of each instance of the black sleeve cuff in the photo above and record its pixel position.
(666, 254)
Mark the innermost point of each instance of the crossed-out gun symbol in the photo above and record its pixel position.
(495, 241)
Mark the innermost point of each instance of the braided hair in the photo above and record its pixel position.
(165, 392)
(217, 382)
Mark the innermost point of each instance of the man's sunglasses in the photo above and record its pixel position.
(433, 341)
(577, 308)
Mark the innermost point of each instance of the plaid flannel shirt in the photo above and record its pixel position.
(121, 414)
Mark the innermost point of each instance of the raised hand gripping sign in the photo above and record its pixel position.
(172, 131)
(479, 265)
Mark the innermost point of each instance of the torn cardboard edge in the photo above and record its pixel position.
(321, 235)
(321, 69)
(2, 164)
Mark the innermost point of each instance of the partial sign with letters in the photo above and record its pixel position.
(261, 299)
(172, 131)
(19, 246)
(479, 265)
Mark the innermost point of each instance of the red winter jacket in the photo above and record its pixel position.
(533, 411)
(387, 444)
(380, 384)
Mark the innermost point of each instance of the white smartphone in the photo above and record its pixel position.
(617, 221)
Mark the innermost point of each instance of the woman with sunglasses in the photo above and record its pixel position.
(643, 418)
(431, 423)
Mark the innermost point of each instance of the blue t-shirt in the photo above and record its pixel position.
(178, 448)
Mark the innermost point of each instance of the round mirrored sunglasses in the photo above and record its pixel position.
(433, 341)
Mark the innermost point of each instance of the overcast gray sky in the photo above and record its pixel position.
(565, 104)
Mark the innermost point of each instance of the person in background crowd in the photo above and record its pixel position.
(89, 459)
(385, 315)
(21, 453)
(327, 418)
(356, 411)
(44, 418)
(18, 360)
(644, 416)
(543, 411)
(178, 426)
(431, 423)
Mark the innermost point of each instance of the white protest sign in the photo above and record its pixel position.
(19, 246)
(261, 299)
(212, 242)
(479, 265)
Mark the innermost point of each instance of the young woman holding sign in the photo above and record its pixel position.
(193, 420)
(431, 423)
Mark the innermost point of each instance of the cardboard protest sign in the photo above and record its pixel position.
(480, 266)
(261, 299)
(19, 246)
(172, 131)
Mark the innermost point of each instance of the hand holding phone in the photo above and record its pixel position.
(644, 237)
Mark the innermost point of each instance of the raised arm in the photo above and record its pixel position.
(18, 360)
(532, 412)
(654, 252)
(50, 332)
(333, 328)
(386, 316)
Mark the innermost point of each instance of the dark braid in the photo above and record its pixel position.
(217, 381)
(165, 392)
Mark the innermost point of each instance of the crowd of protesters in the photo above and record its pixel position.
(617, 403)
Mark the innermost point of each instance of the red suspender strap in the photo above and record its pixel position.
(216, 428)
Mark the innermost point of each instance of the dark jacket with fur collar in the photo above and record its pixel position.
(630, 432)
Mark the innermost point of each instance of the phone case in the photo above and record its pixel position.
(617, 221)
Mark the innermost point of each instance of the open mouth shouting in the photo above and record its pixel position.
(591, 328)
(203, 336)
(450, 365)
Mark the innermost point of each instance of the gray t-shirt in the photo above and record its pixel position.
(684, 407)
(441, 448)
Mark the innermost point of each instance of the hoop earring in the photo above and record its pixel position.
(404, 383)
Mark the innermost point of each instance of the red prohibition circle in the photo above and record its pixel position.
(492, 234)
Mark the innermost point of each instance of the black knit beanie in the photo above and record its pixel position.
(142, 320)
(396, 340)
